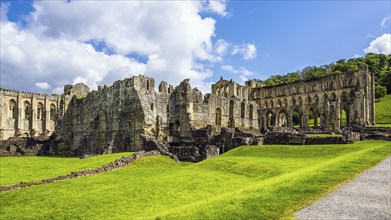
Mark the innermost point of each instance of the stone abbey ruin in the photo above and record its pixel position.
(131, 115)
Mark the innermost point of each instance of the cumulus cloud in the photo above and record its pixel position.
(42, 85)
(217, 6)
(242, 71)
(381, 45)
(54, 46)
(385, 21)
(248, 51)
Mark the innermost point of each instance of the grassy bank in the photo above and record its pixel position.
(14, 170)
(383, 111)
(259, 182)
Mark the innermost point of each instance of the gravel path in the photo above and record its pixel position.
(366, 197)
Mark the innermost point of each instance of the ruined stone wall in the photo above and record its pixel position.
(26, 114)
(115, 116)
(238, 110)
(325, 98)
(190, 110)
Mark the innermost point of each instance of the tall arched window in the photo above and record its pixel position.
(52, 112)
(242, 110)
(218, 116)
(27, 110)
(12, 109)
(39, 111)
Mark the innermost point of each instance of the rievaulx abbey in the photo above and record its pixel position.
(133, 115)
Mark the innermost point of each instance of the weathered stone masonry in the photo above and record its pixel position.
(122, 116)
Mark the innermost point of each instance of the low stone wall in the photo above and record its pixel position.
(24, 147)
(302, 139)
(208, 143)
(121, 162)
(194, 153)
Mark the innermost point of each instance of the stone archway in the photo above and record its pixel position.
(297, 118)
(282, 119)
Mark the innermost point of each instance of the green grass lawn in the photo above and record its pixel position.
(13, 170)
(383, 111)
(249, 182)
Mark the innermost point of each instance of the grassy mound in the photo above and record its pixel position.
(14, 170)
(258, 182)
(383, 111)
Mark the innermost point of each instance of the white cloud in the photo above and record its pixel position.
(242, 71)
(248, 51)
(381, 45)
(385, 20)
(221, 47)
(217, 6)
(51, 47)
(42, 85)
(4, 7)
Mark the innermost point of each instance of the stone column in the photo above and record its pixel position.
(46, 114)
(337, 117)
(33, 115)
(305, 121)
(20, 112)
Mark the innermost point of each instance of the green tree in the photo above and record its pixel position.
(380, 91)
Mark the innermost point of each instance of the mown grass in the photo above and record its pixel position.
(383, 111)
(14, 170)
(256, 182)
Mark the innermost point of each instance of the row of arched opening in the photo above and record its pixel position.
(218, 113)
(345, 97)
(27, 110)
(297, 118)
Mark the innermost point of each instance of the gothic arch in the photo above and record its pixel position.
(218, 117)
(283, 118)
(313, 116)
(297, 117)
(242, 110)
(40, 111)
(309, 100)
(52, 112)
(13, 109)
(231, 121)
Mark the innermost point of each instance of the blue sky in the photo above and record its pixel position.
(46, 45)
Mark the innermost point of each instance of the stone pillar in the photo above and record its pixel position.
(315, 121)
(359, 98)
(337, 117)
(33, 115)
(305, 121)
(20, 112)
(46, 114)
(372, 99)
(290, 121)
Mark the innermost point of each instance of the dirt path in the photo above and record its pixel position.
(368, 196)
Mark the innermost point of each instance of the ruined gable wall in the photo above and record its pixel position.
(27, 114)
(238, 110)
(109, 116)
